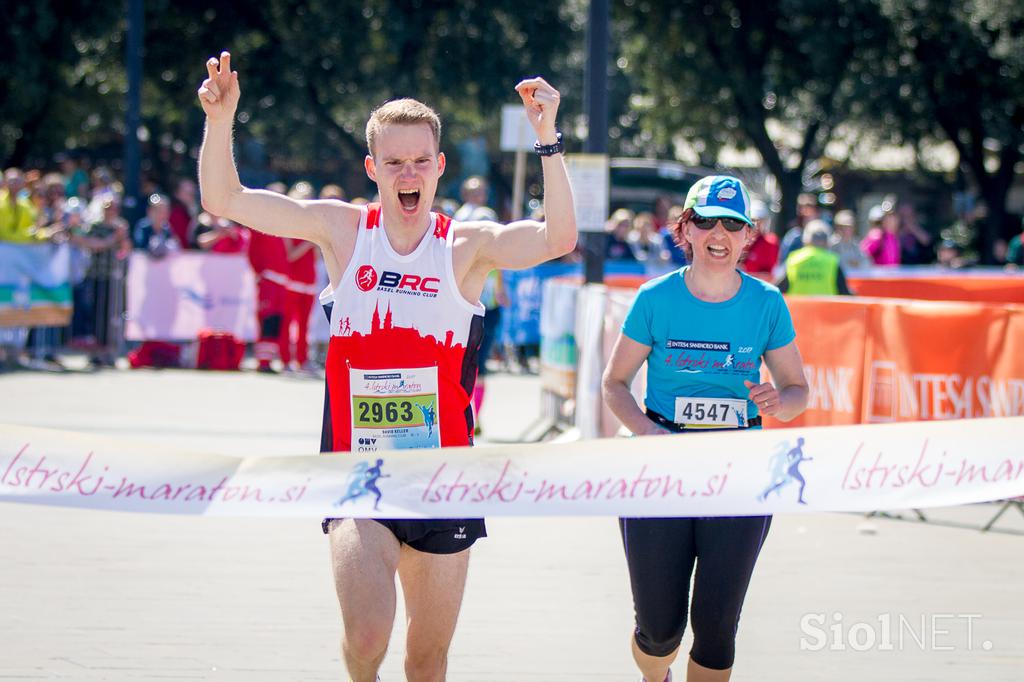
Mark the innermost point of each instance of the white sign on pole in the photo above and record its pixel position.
(516, 133)
(588, 174)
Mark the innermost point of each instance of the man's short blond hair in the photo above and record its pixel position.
(402, 112)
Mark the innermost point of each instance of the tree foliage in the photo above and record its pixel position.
(778, 77)
(310, 71)
(57, 84)
(775, 76)
(962, 79)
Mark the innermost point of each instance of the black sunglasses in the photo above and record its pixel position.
(730, 224)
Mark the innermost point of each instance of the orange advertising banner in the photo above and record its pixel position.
(943, 361)
(830, 335)
(897, 360)
(996, 288)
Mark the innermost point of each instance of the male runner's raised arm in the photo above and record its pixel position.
(525, 243)
(223, 194)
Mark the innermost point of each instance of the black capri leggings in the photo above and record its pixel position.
(661, 554)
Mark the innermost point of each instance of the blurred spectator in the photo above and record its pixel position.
(301, 294)
(332, 192)
(674, 214)
(445, 206)
(882, 243)
(73, 227)
(19, 223)
(17, 215)
(474, 201)
(763, 254)
(494, 298)
(915, 242)
(806, 211)
(644, 239)
(618, 227)
(104, 188)
(813, 270)
(76, 180)
(670, 249)
(184, 210)
(268, 256)
(948, 255)
(49, 203)
(153, 233)
(101, 291)
(844, 242)
(220, 235)
(32, 180)
(1015, 250)
(1000, 249)
(662, 208)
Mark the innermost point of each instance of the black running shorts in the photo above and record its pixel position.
(433, 536)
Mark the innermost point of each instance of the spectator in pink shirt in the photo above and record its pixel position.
(882, 243)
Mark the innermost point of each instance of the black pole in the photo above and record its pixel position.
(595, 102)
(132, 207)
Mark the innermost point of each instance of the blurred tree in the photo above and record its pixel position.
(56, 85)
(311, 71)
(961, 77)
(775, 76)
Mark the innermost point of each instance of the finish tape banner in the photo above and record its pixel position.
(839, 468)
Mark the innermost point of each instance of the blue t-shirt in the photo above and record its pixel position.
(701, 349)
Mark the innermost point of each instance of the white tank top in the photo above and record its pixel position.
(396, 315)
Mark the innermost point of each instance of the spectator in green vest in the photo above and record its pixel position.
(814, 270)
(17, 214)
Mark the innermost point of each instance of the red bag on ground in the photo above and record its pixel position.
(219, 351)
(155, 354)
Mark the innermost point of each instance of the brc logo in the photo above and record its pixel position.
(366, 278)
(414, 282)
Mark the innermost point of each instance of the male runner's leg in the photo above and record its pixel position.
(364, 558)
(433, 585)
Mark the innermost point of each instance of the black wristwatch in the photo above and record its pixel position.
(550, 149)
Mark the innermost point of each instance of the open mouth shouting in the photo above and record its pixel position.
(409, 199)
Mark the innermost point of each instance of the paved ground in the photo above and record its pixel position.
(106, 596)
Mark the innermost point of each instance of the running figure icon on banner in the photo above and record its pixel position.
(363, 480)
(785, 466)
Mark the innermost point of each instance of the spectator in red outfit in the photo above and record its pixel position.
(763, 254)
(302, 291)
(268, 256)
(184, 210)
(220, 235)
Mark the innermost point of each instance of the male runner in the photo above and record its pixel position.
(408, 281)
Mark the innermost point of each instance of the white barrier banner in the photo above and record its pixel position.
(178, 296)
(837, 468)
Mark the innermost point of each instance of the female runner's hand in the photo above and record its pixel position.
(765, 396)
